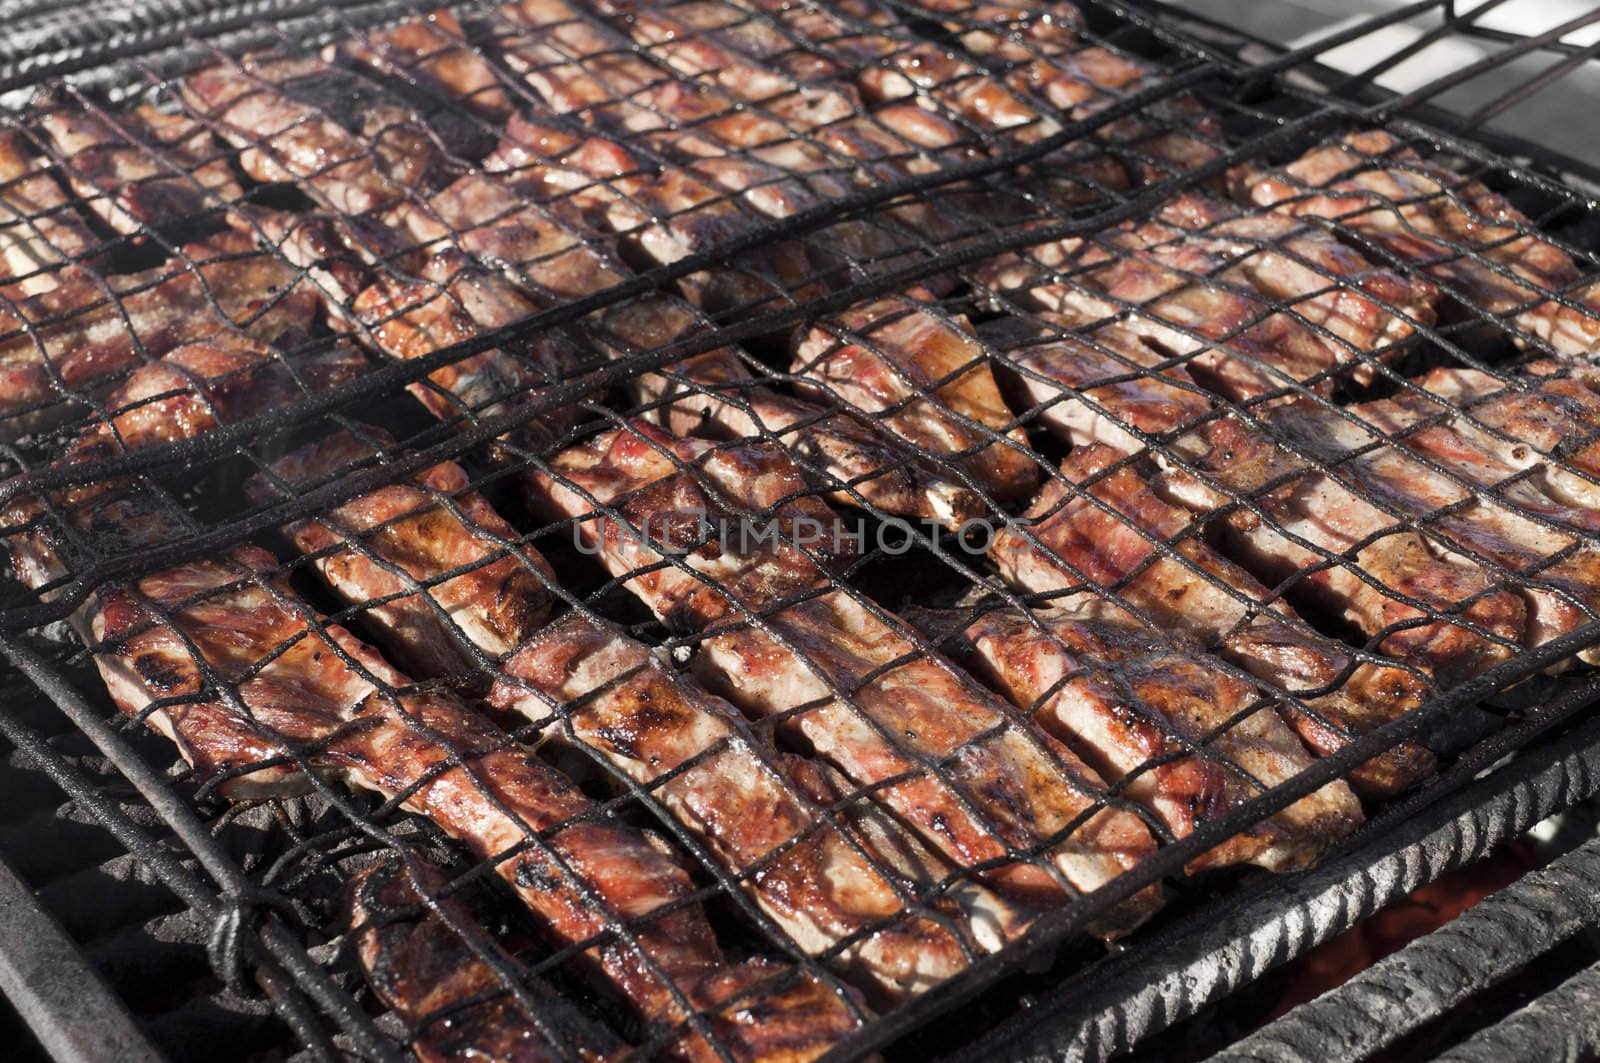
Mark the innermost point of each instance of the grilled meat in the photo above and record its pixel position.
(40, 233)
(85, 331)
(929, 377)
(1109, 534)
(328, 694)
(1099, 385)
(283, 113)
(823, 885)
(1552, 411)
(1202, 283)
(142, 169)
(459, 301)
(835, 449)
(837, 674)
(1557, 573)
(1189, 742)
(434, 50)
(1421, 603)
(1481, 249)
(429, 564)
(221, 655)
(412, 940)
(187, 393)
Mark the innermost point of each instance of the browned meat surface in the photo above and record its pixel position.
(1469, 535)
(412, 939)
(1100, 385)
(256, 103)
(1110, 538)
(452, 588)
(85, 331)
(928, 377)
(326, 692)
(1554, 411)
(221, 655)
(1188, 741)
(1482, 250)
(1202, 282)
(189, 392)
(822, 884)
(1010, 31)
(838, 675)
(39, 231)
(458, 301)
(142, 168)
(715, 394)
(433, 49)
(1391, 579)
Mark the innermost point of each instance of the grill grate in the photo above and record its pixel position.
(709, 242)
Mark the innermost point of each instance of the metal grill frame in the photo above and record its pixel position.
(435, 445)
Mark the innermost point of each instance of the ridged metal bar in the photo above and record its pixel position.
(66, 1004)
(1208, 957)
(1563, 1025)
(1433, 974)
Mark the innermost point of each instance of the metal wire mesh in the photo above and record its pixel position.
(936, 267)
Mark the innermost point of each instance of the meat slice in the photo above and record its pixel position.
(1113, 533)
(189, 392)
(1552, 411)
(825, 886)
(254, 686)
(40, 233)
(429, 564)
(142, 169)
(412, 938)
(283, 112)
(715, 394)
(948, 757)
(1242, 299)
(310, 686)
(1101, 385)
(457, 301)
(1386, 579)
(1482, 250)
(1506, 539)
(86, 331)
(432, 49)
(1188, 741)
(929, 378)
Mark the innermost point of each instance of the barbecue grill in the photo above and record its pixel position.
(146, 916)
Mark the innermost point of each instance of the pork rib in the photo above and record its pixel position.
(929, 377)
(221, 655)
(1235, 296)
(832, 671)
(143, 169)
(1479, 247)
(40, 234)
(409, 942)
(85, 331)
(1108, 537)
(1474, 534)
(1138, 708)
(429, 564)
(829, 890)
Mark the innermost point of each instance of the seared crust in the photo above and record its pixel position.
(820, 883)
(1479, 247)
(1102, 538)
(929, 378)
(1128, 700)
(405, 930)
(806, 653)
(428, 528)
(78, 334)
